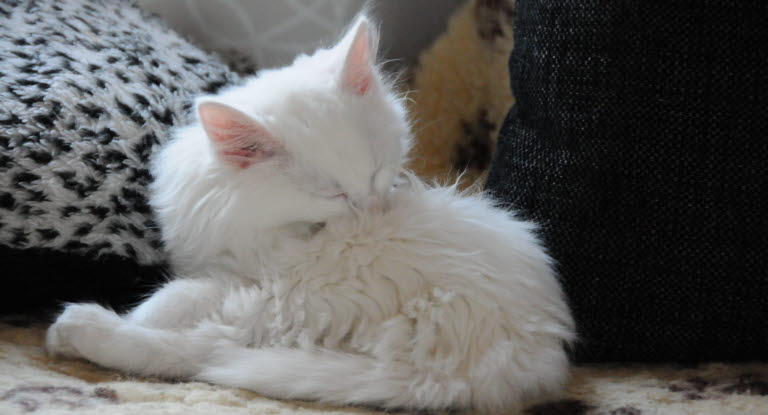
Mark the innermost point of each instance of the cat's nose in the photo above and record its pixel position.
(373, 204)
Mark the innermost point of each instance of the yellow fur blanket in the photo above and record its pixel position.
(460, 93)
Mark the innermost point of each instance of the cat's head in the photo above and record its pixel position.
(302, 143)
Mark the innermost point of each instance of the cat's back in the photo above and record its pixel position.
(437, 271)
(440, 229)
(434, 241)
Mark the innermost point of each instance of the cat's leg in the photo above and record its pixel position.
(103, 337)
(180, 303)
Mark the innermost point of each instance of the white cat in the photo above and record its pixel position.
(310, 265)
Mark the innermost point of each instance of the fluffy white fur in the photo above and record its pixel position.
(307, 270)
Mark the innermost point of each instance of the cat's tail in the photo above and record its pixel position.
(323, 375)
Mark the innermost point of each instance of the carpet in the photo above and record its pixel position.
(31, 382)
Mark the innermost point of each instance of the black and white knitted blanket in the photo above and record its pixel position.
(88, 90)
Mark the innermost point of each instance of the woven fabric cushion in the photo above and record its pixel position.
(638, 142)
(88, 90)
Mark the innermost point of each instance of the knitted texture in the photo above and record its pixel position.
(88, 91)
(638, 141)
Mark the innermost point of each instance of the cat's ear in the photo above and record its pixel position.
(359, 72)
(240, 140)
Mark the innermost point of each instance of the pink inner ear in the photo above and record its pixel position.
(239, 140)
(358, 73)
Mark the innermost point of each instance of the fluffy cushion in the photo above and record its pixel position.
(88, 90)
(638, 142)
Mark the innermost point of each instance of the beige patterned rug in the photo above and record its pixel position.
(30, 382)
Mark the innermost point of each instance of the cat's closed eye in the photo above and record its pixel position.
(331, 191)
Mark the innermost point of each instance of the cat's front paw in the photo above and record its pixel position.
(79, 326)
